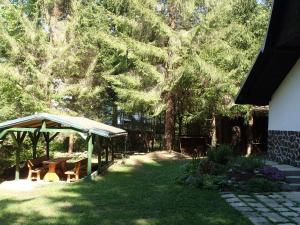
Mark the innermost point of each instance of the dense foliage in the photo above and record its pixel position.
(182, 58)
(223, 170)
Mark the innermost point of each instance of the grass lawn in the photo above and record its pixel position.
(140, 191)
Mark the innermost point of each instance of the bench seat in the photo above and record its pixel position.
(79, 167)
(36, 168)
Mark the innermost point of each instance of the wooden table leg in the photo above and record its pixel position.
(51, 175)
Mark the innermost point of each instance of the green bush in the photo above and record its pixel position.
(212, 182)
(206, 181)
(221, 154)
(261, 185)
(191, 167)
(196, 181)
(247, 164)
(224, 171)
(209, 167)
(181, 179)
(221, 169)
(206, 167)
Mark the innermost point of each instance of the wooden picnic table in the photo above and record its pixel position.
(51, 175)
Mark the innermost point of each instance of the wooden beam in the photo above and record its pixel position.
(3, 134)
(44, 130)
(99, 150)
(17, 157)
(18, 136)
(54, 136)
(17, 173)
(59, 130)
(13, 136)
(22, 137)
(44, 125)
(34, 137)
(18, 139)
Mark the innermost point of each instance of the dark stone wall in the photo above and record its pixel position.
(284, 146)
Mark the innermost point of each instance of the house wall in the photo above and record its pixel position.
(284, 120)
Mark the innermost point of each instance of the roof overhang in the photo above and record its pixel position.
(45, 122)
(278, 55)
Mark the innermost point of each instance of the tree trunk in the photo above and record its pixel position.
(47, 144)
(160, 132)
(213, 132)
(57, 22)
(169, 99)
(249, 136)
(71, 143)
(169, 123)
(180, 119)
(114, 115)
(55, 16)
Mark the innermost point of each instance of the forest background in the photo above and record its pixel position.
(179, 62)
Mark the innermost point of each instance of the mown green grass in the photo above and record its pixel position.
(126, 195)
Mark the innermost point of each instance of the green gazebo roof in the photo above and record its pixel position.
(53, 122)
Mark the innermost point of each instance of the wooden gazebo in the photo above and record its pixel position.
(47, 124)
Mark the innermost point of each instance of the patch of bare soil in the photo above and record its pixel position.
(167, 155)
(139, 159)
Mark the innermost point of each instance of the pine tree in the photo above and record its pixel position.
(229, 38)
(186, 59)
(150, 43)
(22, 53)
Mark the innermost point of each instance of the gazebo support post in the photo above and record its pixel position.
(112, 144)
(90, 152)
(18, 140)
(125, 145)
(98, 142)
(106, 153)
(34, 137)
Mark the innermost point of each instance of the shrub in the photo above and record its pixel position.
(206, 166)
(196, 181)
(213, 182)
(181, 179)
(272, 173)
(247, 164)
(191, 167)
(261, 185)
(221, 154)
(222, 169)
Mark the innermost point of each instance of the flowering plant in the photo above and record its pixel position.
(272, 173)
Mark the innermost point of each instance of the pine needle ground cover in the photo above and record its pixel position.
(140, 190)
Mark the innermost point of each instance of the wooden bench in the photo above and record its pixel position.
(36, 167)
(80, 167)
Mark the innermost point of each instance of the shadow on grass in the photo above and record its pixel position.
(142, 195)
